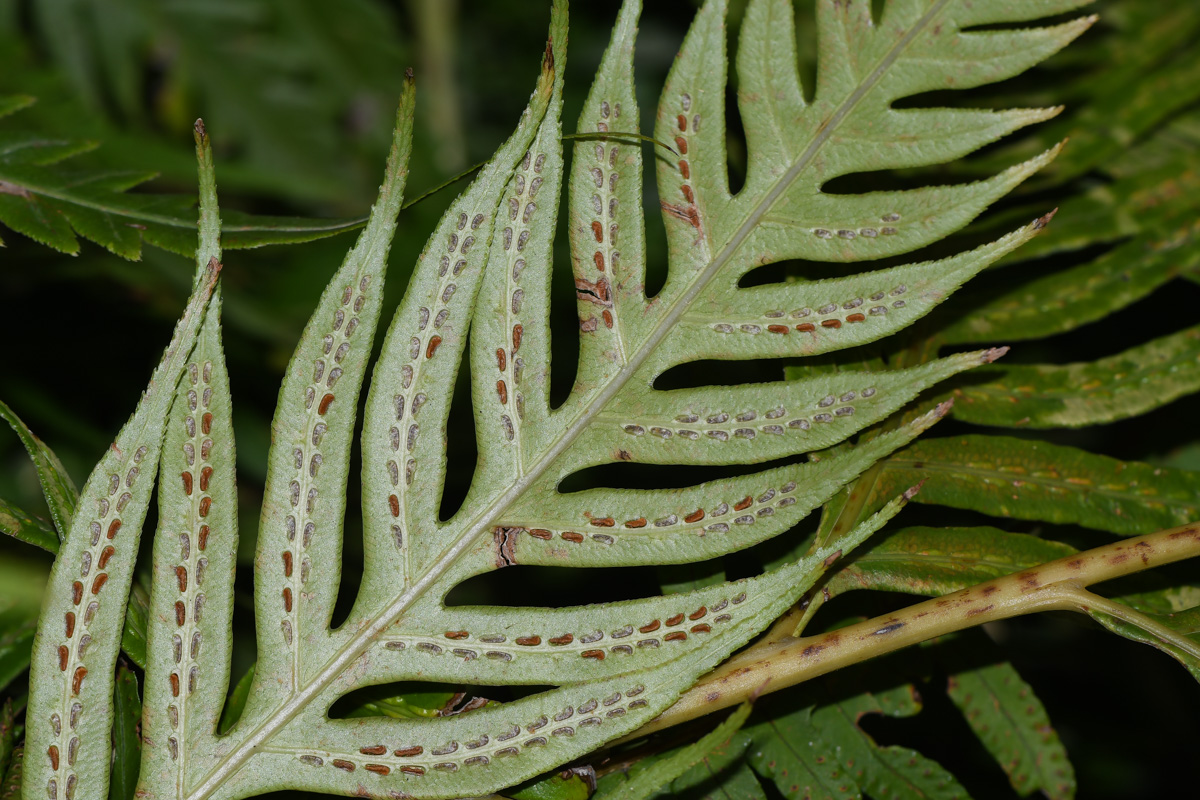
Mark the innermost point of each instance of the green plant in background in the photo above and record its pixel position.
(514, 692)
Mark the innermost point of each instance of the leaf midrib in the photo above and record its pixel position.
(353, 648)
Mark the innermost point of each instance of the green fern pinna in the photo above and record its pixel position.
(483, 283)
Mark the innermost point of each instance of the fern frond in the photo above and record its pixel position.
(484, 279)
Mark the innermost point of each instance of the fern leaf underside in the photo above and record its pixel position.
(486, 270)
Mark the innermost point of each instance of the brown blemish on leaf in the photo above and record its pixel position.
(505, 540)
(983, 610)
(690, 214)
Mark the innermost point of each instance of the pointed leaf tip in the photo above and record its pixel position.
(408, 73)
(995, 353)
(201, 131)
(912, 491)
(1044, 220)
(943, 408)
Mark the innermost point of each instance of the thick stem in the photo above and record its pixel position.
(777, 663)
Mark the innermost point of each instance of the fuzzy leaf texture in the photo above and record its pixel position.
(486, 271)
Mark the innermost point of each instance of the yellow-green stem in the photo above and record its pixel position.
(777, 663)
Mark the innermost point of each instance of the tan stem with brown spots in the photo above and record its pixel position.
(779, 662)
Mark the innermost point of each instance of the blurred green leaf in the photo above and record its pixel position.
(10, 789)
(938, 561)
(894, 772)
(786, 752)
(1012, 724)
(1177, 635)
(51, 203)
(654, 775)
(127, 746)
(1072, 297)
(133, 638)
(1049, 396)
(57, 487)
(236, 703)
(1024, 479)
(26, 527)
(17, 628)
(566, 785)
(6, 735)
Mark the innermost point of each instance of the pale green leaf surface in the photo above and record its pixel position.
(81, 624)
(608, 527)
(299, 542)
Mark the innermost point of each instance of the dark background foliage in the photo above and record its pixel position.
(298, 96)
